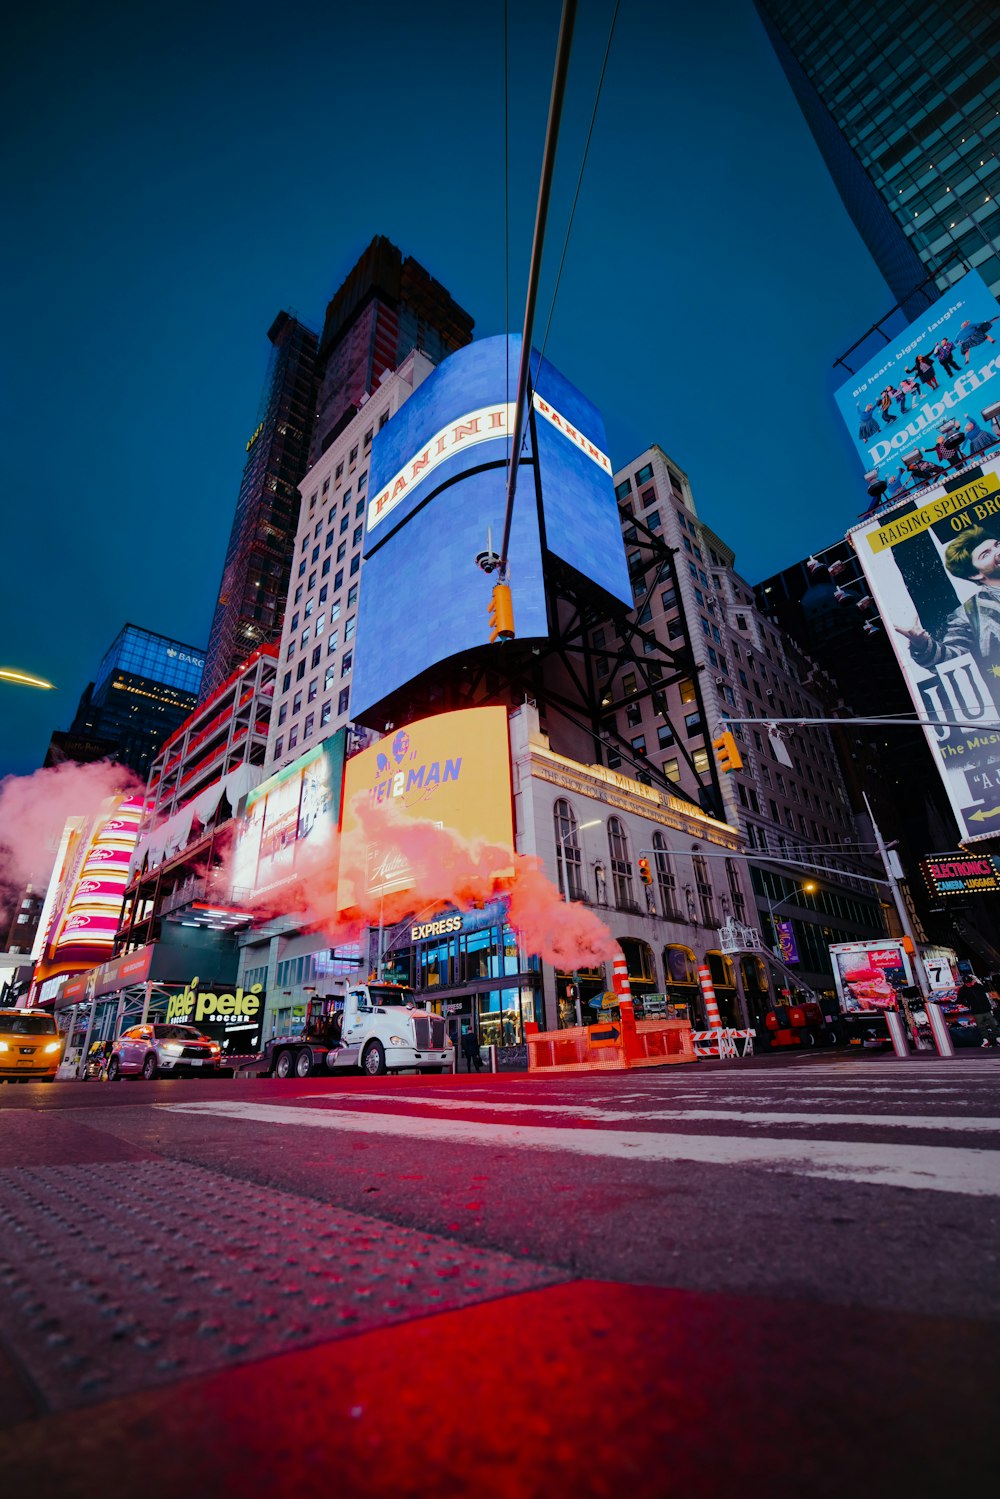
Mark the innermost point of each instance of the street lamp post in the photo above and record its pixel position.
(807, 889)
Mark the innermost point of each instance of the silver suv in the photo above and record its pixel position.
(163, 1051)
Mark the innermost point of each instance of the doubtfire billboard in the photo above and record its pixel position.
(437, 484)
(918, 408)
(933, 567)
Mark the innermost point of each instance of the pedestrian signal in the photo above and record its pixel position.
(645, 874)
(726, 752)
(501, 613)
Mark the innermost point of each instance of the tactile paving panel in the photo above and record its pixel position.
(115, 1277)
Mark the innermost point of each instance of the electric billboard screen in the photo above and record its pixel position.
(293, 813)
(452, 770)
(85, 915)
(933, 569)
(437, 487)
(917, 410)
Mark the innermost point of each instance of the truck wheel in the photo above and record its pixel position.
(373, 1059)
(283, 1064)
(303, 1063)
(149, 1067)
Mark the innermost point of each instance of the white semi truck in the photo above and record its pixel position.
(377, 1027)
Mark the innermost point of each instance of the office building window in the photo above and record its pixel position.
(342, 701)
(569, 857)
(621, 863)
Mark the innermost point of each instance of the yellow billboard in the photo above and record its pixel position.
(451, 771)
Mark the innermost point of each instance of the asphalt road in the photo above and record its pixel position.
(779, 1275)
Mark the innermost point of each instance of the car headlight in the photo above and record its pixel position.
(53, 1046)
(215, 1047)
(171, 1048)
(4, 1046)
(398, 1041)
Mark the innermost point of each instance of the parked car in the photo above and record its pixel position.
(30, 1046)
(160, 1050)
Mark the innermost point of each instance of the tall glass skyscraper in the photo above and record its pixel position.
(250, 608)
(903, 98)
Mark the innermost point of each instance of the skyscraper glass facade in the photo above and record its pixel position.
(903, 98)
(146, 685)
(250, 607)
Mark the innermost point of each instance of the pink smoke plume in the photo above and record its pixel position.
(34, 809)
(442, 869)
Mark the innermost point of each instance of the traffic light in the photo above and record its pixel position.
(645, 873)
(501, 613)
(727, 754)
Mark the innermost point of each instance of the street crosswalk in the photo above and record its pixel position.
(747, 1119)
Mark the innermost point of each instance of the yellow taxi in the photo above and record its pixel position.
(30, 1046)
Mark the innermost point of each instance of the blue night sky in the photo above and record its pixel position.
(175, 177)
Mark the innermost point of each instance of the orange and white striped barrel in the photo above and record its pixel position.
(708, 993)
(619, 979)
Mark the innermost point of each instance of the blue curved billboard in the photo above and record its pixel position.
(437, 484)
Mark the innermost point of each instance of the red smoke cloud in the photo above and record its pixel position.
(34, 809)
(441, 869)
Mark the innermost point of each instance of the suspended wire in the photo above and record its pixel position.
(579, 180)
(506, 207)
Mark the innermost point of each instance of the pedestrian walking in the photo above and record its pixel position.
(470, 1050)
(972, 993)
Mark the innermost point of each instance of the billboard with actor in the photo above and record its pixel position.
(293, 813)
(918, 410)
(933, 567)
(437, 492)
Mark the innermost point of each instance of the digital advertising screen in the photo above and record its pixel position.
(933, 568)
(82, 925)
(931, 383)
(452, 770)
(437, 488)
(291, 814)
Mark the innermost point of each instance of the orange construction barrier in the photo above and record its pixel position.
(612, 1046)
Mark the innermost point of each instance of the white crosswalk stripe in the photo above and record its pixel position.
(940, 1168)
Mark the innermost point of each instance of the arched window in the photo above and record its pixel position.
(621, 863)
(641, 964)
(569, 857)
(666, 880)
(721, 968)
(679, 965)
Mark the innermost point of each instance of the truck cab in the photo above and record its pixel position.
(377, 1027)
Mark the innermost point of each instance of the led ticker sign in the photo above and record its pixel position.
(961, 874)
